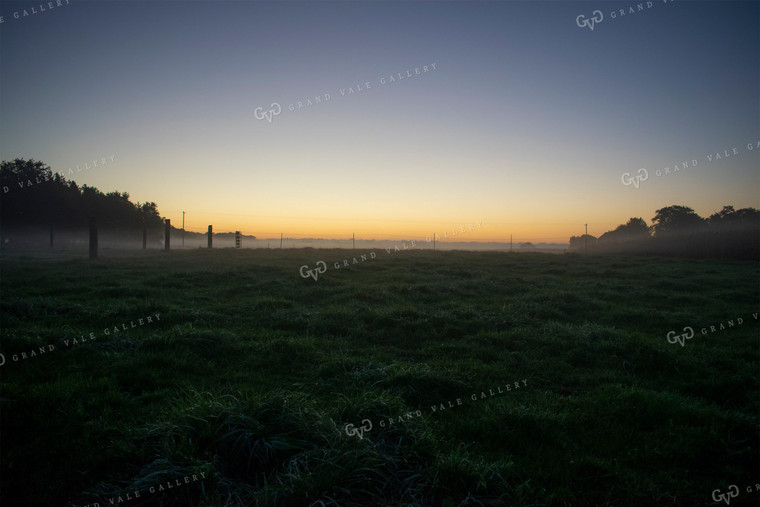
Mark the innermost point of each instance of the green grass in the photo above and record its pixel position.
(252, 373)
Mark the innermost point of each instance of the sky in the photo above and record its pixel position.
(517, 114)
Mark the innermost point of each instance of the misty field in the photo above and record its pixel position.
(411, 378)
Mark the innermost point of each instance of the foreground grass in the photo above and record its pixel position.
(252, 373)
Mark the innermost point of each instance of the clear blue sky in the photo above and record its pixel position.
(527, 123)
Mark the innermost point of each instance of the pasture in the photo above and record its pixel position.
(413, 378)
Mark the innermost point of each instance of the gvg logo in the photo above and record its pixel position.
(274, 110)
(681, 338)
(733, 491)
(627, 179)
(688, 331)
(359, 432)
(596, 17)
(314, 273)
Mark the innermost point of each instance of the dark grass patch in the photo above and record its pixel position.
(253, 372)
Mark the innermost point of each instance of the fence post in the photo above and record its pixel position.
(167, 234)
(145, 238)
(209, 236)
(238, 240)
(93, 239)
(51, 236)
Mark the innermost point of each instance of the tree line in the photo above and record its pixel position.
(34, 196)
(679, 230)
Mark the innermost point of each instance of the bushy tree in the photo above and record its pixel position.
(678, 230)
(580, 242)
(730, 219)
(32, 195)
(673, 220)
(634, 229)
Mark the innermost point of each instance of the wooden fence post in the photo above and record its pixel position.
(209, 236)
(145, 238)
(167, 234)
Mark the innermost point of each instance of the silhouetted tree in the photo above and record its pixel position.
(680, 231)
(149, 212)
(580, 242)
(32, 195)
(734, 233)
(676, 220)
(730, 219)
(635, 229)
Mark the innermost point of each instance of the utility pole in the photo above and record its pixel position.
(585, 240)
(183, 228)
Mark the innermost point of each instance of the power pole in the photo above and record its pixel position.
(585, 240)
(183, 228)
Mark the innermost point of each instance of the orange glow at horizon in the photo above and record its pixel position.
(480, 230)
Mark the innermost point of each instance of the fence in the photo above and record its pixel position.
(112, 236)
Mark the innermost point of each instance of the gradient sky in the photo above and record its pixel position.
(527, 123)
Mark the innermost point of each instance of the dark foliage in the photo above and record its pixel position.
(679, 231)
(34, 196)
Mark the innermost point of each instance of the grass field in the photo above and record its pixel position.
(249, 375)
